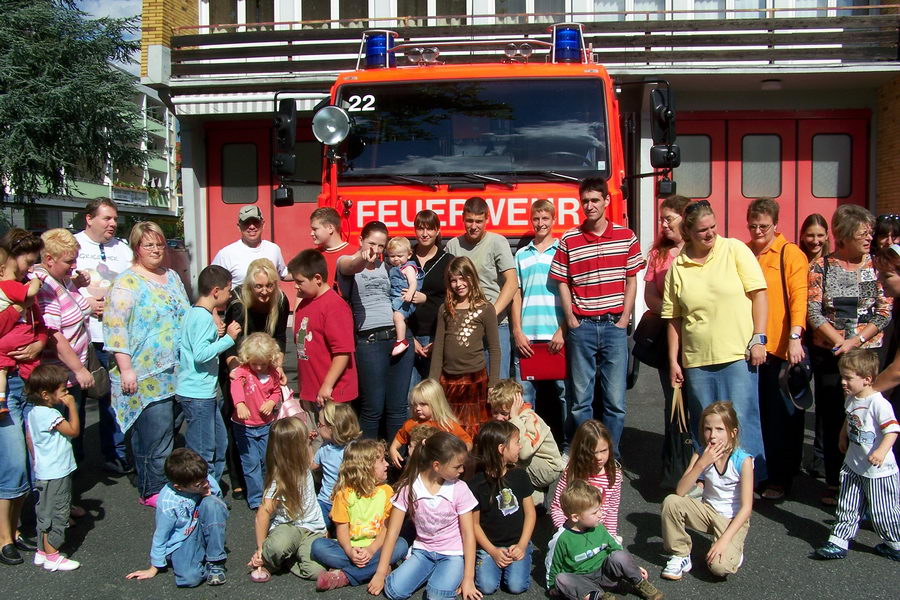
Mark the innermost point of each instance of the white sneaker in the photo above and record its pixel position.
(39, 559)
(676, 567)
(61, 564)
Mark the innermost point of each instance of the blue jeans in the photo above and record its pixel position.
(328, 552)
(530, 389)
(735, 382)
(112, 440)
(597, 348)
(442, 573)
(505, 349)
(206, 433)
(206, 543)
(152, 441)
(13, 453)
(420, 365)
(516, 577)
(325, 507)
(251, 443)
(383, 387)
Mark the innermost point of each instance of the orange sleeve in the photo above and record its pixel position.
(339, 513)
(797, 279)
(403, 433)
(459, 432)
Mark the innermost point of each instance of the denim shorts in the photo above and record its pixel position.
(13, 454)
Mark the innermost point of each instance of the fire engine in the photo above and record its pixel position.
(520, 120)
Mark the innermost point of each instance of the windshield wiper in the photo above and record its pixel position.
(496, 180)
(550, 175)
(404, 178)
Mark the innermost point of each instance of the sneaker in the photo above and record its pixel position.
(647, 590)
(216, 574)
(600, 595)
(331, 580)
(676, 567)
(117, 466)
(831, 551)
(39, 558)
(400, 346)
(149, 501)
(885, 550)
(60, 564)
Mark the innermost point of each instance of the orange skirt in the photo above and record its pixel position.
(467, 396)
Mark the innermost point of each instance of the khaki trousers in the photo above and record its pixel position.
(680, 512)
(290, 547)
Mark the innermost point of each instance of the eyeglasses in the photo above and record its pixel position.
(760, 228)
(669, 220)
(863, 234)
(695, 206)
(153, 246)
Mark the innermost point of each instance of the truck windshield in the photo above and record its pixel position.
(519, 127)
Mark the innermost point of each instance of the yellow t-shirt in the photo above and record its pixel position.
(365, 516)
(711, 300)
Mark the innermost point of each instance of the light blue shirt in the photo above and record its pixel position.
(541, 309)
(329, 457)
(176, 519)
(53, 456)
(198, 363)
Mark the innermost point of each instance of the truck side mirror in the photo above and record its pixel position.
(662, 116)
(665, 157)
(285, 123)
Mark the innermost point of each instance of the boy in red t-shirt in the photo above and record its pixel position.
(323, 331)
(325, 229)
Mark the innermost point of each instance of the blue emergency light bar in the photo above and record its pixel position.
(378, 44)
(568, 43)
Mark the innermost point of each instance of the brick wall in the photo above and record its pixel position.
(887, 144)
(159, 18)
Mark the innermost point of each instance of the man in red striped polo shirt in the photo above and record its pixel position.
(597, 265)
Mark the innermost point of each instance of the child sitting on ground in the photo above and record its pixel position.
(362, 505)
(289, 519)
(428, 406)
(419, 434)
(14, 292)
(406, 279)
(190, 524)
(54, 461)
(584, 560)
(869, 473)
(727, 502)
(338, 426)
(539, 455)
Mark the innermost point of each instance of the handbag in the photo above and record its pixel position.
(101, 387)
(651, 344)
(679, 445)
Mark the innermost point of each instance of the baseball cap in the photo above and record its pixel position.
(249, 212)
(794, 382)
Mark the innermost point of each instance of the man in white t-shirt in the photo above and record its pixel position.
(237, 256)
(102, 256)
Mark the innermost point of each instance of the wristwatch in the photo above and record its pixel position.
(795, 336)
(862, 339)
(758, 338)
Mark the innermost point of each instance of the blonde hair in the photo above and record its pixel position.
(141, 230)
(260, 347)
(860, 362)
(420, 433)
(288, 457)
(543, 205)
(58, 243)
(357, 470)
(502, 395)
(430, 392)
(579, 496)
(725, 410)
(343, 422)
(398, 244)
(264, 266)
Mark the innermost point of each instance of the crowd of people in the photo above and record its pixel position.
(433, 347)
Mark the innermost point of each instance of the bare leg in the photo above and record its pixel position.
(399, 325)
(4, 409)
(10, 510)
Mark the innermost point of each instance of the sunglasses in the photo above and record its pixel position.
(102, 253)
(886, 218)
(695, 206)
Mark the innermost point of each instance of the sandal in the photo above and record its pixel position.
(773, 492)
(829, 498)
(260, 575)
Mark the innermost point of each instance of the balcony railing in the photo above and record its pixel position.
(288, 50)
(130, 196)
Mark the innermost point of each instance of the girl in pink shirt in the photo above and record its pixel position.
(440, 506)
(256, 392)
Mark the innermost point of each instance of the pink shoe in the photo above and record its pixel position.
(331, 580)
(400, 346)
(149, 501)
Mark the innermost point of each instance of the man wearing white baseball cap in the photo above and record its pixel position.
(237, 256)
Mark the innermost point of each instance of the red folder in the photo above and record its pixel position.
(542, 365)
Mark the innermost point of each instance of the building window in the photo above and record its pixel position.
(261, 11)
(451, 11)
(222, 12)
(412, 8)
(316, 11)
(608, 10)
(743, 5)
(832, 158)
(761, 166)
(357, 10)
(694, 176)
(510, 7)
(552, 10)
(239, 177)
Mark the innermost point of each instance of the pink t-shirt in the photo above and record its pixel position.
(323, 327)
(247, 387)
(436, 516)
(657, 273)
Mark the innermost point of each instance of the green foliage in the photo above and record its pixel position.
(63, 107)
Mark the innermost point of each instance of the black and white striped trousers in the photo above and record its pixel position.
(879, 495)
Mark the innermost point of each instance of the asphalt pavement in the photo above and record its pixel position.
(115, 539)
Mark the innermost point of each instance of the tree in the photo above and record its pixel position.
(64, 109)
